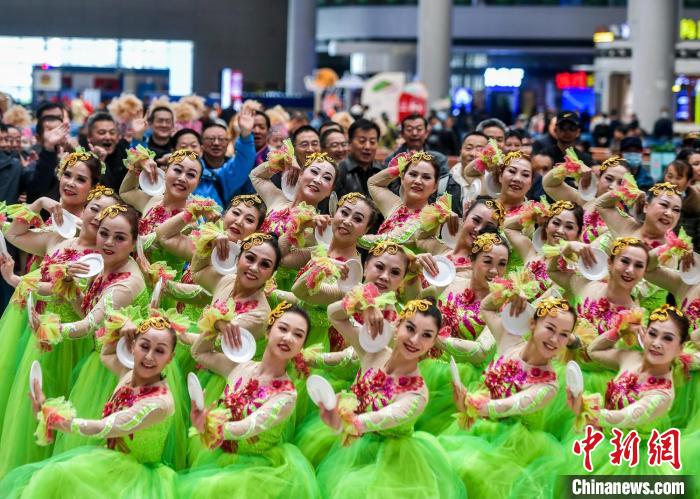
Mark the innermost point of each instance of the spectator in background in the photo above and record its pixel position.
(692, 157)
(261, 133)
(632, 152)
(335, 144)
(297, 119)
(442, 138)
(14, 140)
(513, 142)
(306, 141)
(187, 138)
(161, 122)
(329, 125)
(541, 164)
(456, 184)
(51, 109)
(548, 139)
(13, 176)
(360, 164)
(414, 132)
(663, 127)
(526, 146)
(103, 139)
(494, 129)
(567, 133)
(223, 178)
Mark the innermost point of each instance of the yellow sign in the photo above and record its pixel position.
(689, 29)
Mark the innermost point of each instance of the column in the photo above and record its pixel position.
(301, 43)
(434, 46)
(653, 28)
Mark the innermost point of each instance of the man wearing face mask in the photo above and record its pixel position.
(632, 151)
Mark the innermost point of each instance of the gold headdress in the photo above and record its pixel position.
(98, 191)
(661, 313)
(611, 162)
(277, 312)
(385, 247)
(559, 206)
(664, 188)
(250, 200)
(112, 211)
(317, 157)
(551, 306)
(80, 154)
(414, 306)
(513, 155)
(419, 156)
(255, 239)
(622, 242)
(179, 155)
(351, 197)
(155, 323)
(499, 213)
(485, 242)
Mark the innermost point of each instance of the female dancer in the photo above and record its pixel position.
(662, 212)
(355, 215)
(419, 174)
(517, 388)
(608, 177)
(563, 221)
(463, 327)
(55, 290)
(246, 432)
(381, 455)
(135, 422)
(314, 184)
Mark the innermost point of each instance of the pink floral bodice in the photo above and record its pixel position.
(599, 312)
(98, 286)
(692, 311)
(402, 217)
(594, 226)
(277, 221)
(61, 255)
(155, 216)
(628, 387)
(461, 312)
(375, 389)
(505, 377)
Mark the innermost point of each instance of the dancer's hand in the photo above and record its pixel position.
(38, 398)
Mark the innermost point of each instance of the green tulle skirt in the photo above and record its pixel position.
(17, 445)
(279, 472)
(15, 335)
(438, 378)
(375, 466)
(89, 472)
(493, 456)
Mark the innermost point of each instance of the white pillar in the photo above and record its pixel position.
(434, 46)
(301, 43)
(653, 31)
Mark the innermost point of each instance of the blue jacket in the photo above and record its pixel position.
(222, 184)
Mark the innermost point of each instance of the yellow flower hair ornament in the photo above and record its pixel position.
(277, 312)
(318, 157)
(181, 154)
(621, 243)
(413, 307)
(98, 191)
(112, 211)
(485, 242)
(69, 160)
(661, 313)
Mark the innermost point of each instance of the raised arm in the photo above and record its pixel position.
(532, 399)
(260, 178)
(378, 188)
(602, 350)
(521, 243)
(619, 223)
(204, 353)
(34, 241)
(325, 294)
(234, 173)
(171, 238)
(554, 185)
(472, 351)
(129, 191)
(652, 405)
(340, 320)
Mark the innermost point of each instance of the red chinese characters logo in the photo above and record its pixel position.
(662, 447)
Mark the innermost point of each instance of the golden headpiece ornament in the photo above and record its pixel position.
(551, 306)
(318, 157)
(419, 156)
(80, 154)
(277, 312)
(664, 188)
(414, 306)
(153, 322)
(255, 239)
(611, 162)
(485, 242)
(661, 313)
(351, 197)
(112, 211)
(499, 213)
(560, 206)
(180, 155)
(385, 247)
(250, 200)
(513, 155)
(622, 242)
(98, 191)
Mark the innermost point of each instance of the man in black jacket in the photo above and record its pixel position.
(103, 139)
(360, 164)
